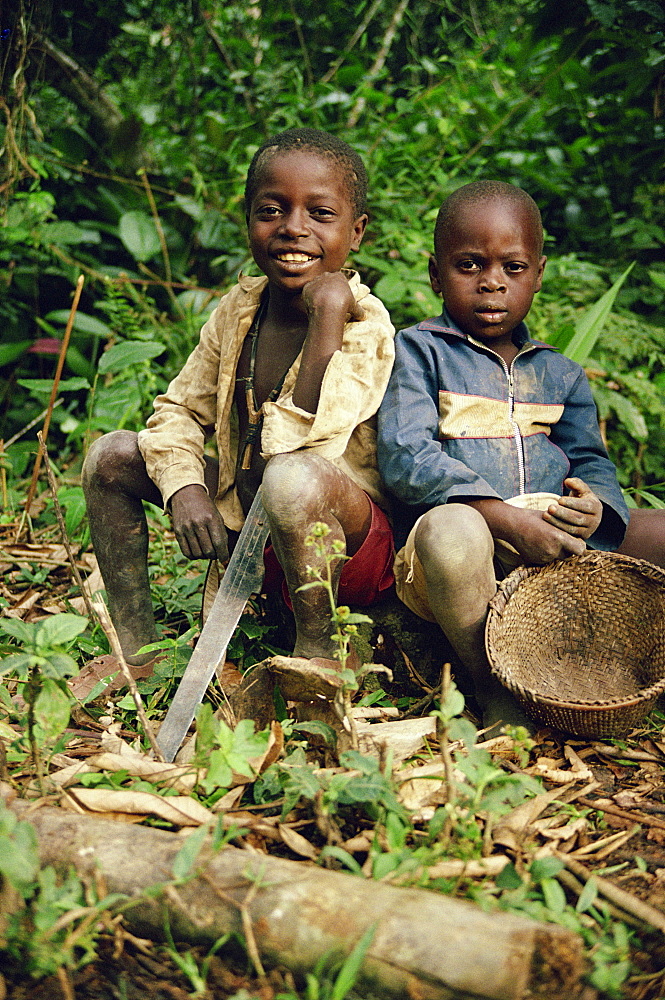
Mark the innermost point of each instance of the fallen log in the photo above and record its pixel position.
(425, 945)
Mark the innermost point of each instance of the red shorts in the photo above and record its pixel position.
(364, 576)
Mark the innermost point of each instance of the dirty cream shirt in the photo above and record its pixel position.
(197, 403)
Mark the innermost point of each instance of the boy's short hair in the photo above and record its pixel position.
(483, 191)
(316, 141)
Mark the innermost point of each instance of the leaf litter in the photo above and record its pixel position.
(599, 810)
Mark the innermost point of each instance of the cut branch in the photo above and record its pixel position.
(426, 944)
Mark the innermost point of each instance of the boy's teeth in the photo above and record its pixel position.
(299, 257)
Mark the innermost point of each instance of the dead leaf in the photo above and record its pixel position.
(181, 810)
(297, 843)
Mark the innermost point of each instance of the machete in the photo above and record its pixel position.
(242, 578)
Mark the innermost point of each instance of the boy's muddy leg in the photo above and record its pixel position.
(455, 549)
(298, 490)
(115, 482)
(645, 536)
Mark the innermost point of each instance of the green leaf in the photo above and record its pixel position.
(509, 877)
(52, 710)
(23, 631)
(545, 868)
(129, 352)
(185, 859)
(10, 352)
(658, 279)
(348, 974)
(67, 233)
(587, 896)
(138, 232)
(45, 385)
(60, 629)
(82, 322)
(317, 728)
(589, 326)
(555, 897)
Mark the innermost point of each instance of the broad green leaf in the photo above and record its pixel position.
(138, 232)
(60, 629)
(23, 631)
(45, 385)
(588, 327)
(82, 322)
(68, 233)
(52, 710)
(658, 279)
(10, 352)
(129, 352)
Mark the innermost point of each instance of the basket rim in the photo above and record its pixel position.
(509, 586)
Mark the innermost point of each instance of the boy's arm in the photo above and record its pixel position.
(350, 382)
(330, 304)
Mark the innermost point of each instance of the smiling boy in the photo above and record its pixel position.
(488, 438)
(302, 355)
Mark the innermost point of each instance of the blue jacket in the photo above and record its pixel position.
(457, 421)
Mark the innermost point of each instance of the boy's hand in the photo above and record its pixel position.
(198, 525)
(528, 532)
(331, 291)
(578, 514)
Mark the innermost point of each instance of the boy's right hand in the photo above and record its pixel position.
(536, 541)
(198, 525)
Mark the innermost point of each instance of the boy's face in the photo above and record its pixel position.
(301, 222)
(488, 268)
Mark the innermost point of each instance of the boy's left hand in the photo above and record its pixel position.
(331, 291)
(578, 514)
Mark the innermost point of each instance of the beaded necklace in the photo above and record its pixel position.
(254, 413)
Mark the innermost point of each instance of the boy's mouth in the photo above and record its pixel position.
(295, 257)
(492, 314)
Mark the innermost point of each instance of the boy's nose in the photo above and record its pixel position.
(492, 281)
(295, 224)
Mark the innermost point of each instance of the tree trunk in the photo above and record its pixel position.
(425, 945)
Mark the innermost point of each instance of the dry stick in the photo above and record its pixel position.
(28, 427)
(379, 62)
(624, 900)
(112, 635)
(635, 817)
(63, 529)
(51, 403)
(162, 239)
(571, 882)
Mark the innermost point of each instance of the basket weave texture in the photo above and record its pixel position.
(581, 642)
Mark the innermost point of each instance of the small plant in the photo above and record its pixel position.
(43, 668)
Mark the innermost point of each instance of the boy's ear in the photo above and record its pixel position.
(434, 278)
(359, 227)
(539, 276)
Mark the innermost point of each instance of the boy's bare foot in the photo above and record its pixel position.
(501, 710)
(302, 679)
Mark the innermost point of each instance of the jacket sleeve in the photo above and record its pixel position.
(353, 386)
(184, 416)
(412, 462)
(577, 433)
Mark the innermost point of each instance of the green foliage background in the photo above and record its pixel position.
(128, 126)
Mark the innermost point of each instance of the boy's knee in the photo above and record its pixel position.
(453, 538)
(292, 483)
(109, 457)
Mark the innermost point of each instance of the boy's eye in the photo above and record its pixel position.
(323, 213)
(267, 211)
(468, 265)
(515, 266)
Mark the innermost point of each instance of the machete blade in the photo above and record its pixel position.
(242, 578)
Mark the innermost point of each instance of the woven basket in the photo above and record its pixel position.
(581, 642)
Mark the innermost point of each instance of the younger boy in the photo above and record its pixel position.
(490, 436)
(302, 355)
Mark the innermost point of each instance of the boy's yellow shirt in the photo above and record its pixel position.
(198, 402)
